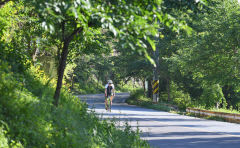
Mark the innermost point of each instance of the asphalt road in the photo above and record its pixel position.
(168, 130)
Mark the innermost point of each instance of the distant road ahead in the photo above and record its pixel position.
(167, 130)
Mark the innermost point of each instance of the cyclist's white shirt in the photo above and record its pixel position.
(111, 85)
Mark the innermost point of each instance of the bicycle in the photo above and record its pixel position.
(108, 106)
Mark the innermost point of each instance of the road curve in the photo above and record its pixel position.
(168, 130)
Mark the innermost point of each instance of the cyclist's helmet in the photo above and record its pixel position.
(110, 82)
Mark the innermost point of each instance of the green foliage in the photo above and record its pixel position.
(202, 66)
(137, 98)
(205, 63)
(23, 111)
(232, 96)
(5, 141)
(3, 138)
(125, 19)
(126, 87)
(9, 40)
(216, 118)
(213, 96)
(91, 88)
(212, 45)
(32, 120)
(88, 74)
(225, 110)
(180, 98)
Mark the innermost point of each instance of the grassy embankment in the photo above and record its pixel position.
(28, 118)
(137, 98)
(176, 106)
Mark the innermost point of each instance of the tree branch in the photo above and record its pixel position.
(2, 2)
(76, 31)
(63, 30)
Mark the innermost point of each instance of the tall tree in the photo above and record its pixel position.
(67, 19)
(210, 55)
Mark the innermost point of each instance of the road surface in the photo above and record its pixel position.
(168, 130)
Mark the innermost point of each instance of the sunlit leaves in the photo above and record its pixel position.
(151, 42)
(8, 21)
(131, 21)
(209, 53)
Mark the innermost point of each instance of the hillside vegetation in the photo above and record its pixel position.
(28, 118)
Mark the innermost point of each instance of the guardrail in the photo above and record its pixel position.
(235, 118)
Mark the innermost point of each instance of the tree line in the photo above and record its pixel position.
(63, 32)
(197, 67)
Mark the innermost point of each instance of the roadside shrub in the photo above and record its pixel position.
(3, 138)
(5, 142)
(137, 97)
(180, 98)
(91, 88)
(213, 96)
(232, 96)
(126, 88)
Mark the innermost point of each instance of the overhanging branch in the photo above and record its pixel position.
(76, 31)
(2, 2)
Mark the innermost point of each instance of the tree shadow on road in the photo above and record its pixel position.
(192, 137)
(225, 142)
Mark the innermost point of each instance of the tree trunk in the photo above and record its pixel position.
(61, 68)
(98, 78)
(144, 88)
(168, 90)
(58, 55)
(62, 64)
(150, 88)
(72, 81)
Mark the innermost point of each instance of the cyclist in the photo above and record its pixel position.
(109, 91)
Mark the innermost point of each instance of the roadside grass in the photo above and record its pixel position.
(28, 118)
(137, 98)
(215, 118)
(233, 111)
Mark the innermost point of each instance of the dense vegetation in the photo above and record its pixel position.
(202, 69)
(33, 56)
(49, 49)
(28, 118)
(196, 69)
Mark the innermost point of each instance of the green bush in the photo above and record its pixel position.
(126, 88)
(26, 108)
(5, 141)
(90, 88)
(137, 98)
(180, 98)
(212, 96)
